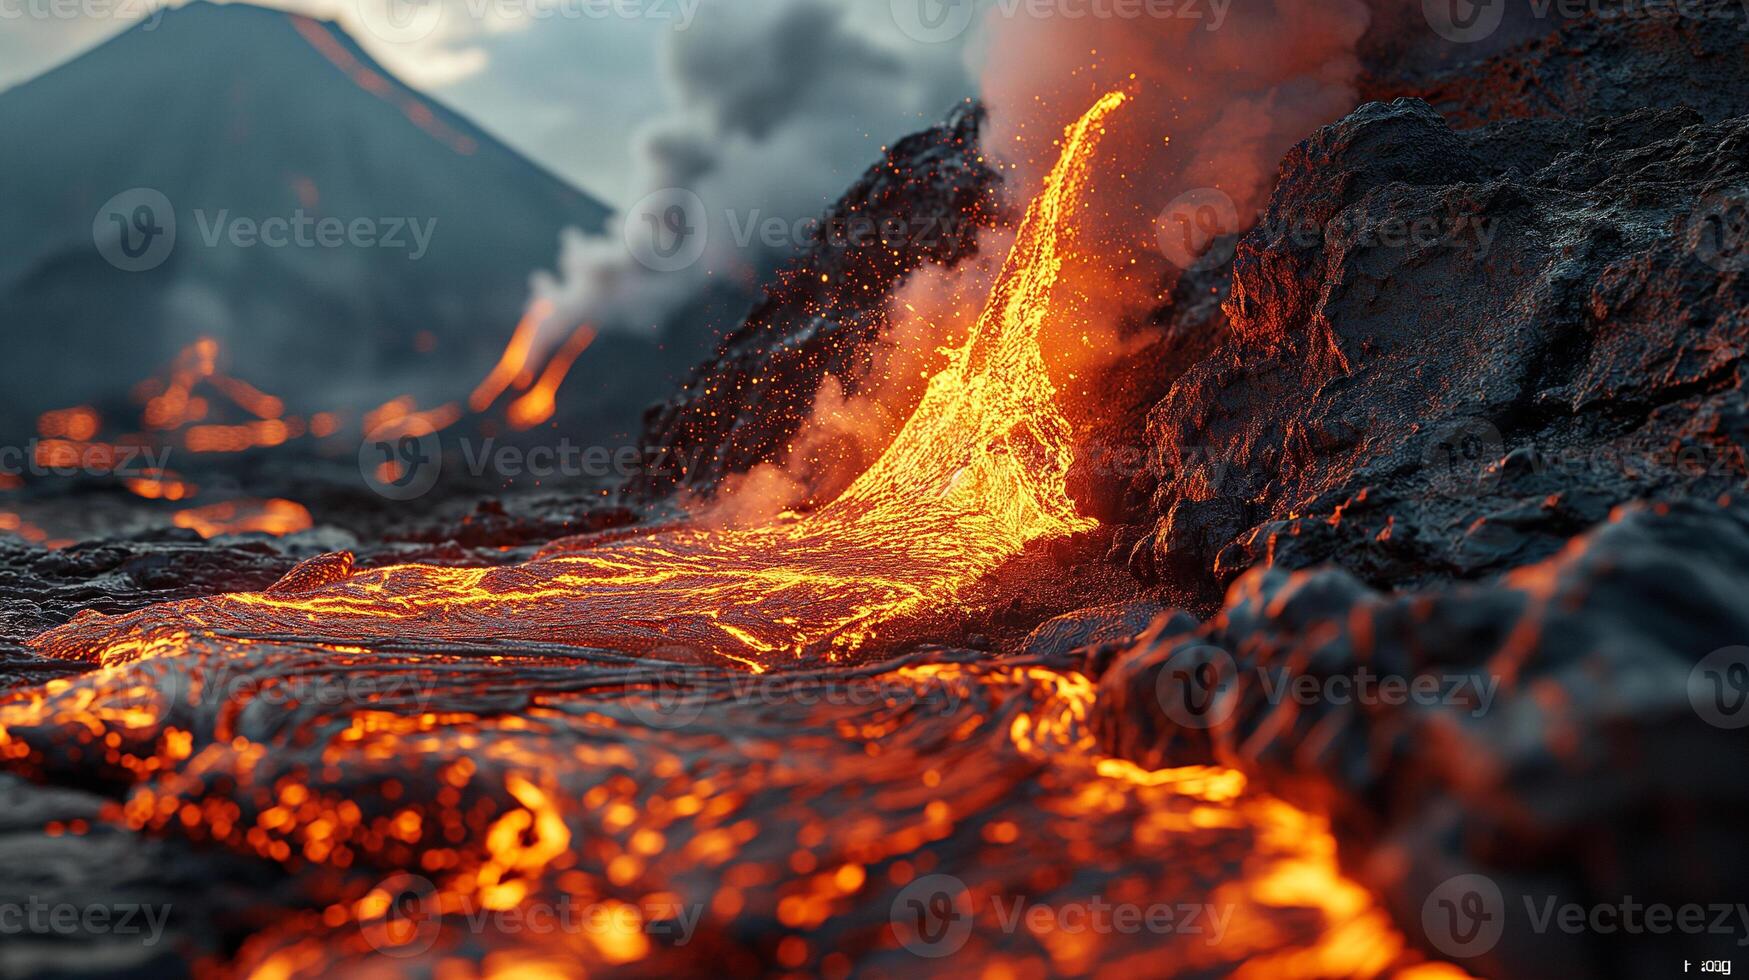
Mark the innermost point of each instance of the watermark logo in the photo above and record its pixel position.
(933, 916)
(1465, 916)
(301, 229)
(401, 917)
(402, 460)
(135, 231)
(1470, 21)
(843, 232)
(1718, 688)
(677, 695)
(399, 464)
(939, 21)
(400, 21)
(1717, 232)
(934, 21)
(1465, 456)
(1194, 222)
(667, 230)
(411, 21)
(1464, 21)
(148, 13)
(1204, 225)
(672, 701)
(1197, 687)
(163, 683)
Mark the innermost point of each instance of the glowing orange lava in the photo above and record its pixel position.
(514, 361)
(539, 403)
(401, 732)
(276, 517)
(977, 475)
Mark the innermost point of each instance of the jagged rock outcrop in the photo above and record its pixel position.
(826, 313)
(1560, 61)
(41, 589)
(1570, 732)
(1452, 351)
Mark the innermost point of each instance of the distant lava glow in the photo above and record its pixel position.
(977, 474)
(437, 759)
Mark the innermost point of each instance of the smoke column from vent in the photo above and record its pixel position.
(776, 108)
(1218, 99)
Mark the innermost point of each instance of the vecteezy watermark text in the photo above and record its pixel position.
(404, 466)
(301, 229)
(670, 229)
(933, 917)
(149, 12)
(1199, 688)
(1467, 915)
(67, 458)
(939, 21)
(402, 917)
(410, 21)
(137, 231)
(1473, 21)
(1205, 222)
(678, 696)
(35, 917)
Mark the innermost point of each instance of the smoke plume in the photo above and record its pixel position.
(776, 108)
(1223, 88)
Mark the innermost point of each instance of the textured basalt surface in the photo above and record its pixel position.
(1563, 334)
(1564, 743)
(1466, 409)
(1616, 57)
(825, 315)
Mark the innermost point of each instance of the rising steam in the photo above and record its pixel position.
(776, 108)
(1218, 99)
(1222, 90)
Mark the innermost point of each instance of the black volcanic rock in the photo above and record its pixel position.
(240, 112)
(41, 589)
(1447, 358)
(1616, 56)
(827, 311)
(1571, 740)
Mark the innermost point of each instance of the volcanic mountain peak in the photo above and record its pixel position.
(240, 116)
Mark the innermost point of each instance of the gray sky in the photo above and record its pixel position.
(557, 79)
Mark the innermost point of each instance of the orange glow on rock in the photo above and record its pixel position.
(275, 517)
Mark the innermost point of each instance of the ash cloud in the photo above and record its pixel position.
(774, 109)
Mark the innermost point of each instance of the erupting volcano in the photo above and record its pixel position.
(1333, 570)
(594, 793)
(976, 476)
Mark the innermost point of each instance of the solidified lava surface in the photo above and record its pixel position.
(1508, 466)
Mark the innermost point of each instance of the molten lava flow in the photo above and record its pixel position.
(977, 474)
(514, 361)
(372, 737)
(539, 403)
